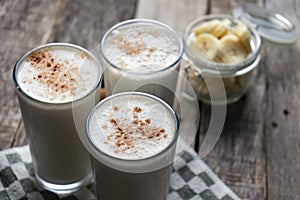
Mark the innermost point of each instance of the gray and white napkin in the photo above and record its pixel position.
(191, 179)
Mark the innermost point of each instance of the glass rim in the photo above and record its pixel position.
(169, 146)
(145, 21)
(224, 68)
(54, 44)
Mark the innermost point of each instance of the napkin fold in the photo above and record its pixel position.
(191, 179)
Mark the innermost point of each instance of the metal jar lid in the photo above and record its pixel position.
(270, 25)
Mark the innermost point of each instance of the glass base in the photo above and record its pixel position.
(64, 188)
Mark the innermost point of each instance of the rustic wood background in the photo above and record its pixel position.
(258, 152)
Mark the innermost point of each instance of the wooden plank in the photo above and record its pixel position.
(23, 25)
(283, 111)
(84, 22)
(239, 156)
(20, 136)
(175, 13)
(225, 7)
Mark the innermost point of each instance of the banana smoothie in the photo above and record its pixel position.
(48, 80)
(134, 135)
(141, 55)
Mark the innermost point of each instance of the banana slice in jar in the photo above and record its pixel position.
(241, 31)
(232, 49)
(215, 27)
(220, 30)
(219, 41)
(207, 46)
(226, 22)
(206, 27)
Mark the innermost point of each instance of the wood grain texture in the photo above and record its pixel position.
(225, 7)
(84, 22)
(175, 13)
(239, 156)
(23, 25)
(283, 111)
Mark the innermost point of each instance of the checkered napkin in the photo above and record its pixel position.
(191, 180)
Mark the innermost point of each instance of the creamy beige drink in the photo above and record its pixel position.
(48, 80)
(141, 55)
(133, 138)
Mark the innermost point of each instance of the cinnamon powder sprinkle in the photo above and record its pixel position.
(136, 121)
(137, 109)
(51, 72)
(113, 121)
(151, 50)
(115, 108)
(104, 126)
(122, 136)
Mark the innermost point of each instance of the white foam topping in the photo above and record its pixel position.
(142, 49)
(131, 127)
(58, 74)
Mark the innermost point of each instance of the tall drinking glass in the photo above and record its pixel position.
(141, 55)
(48, 80)
(131, 137)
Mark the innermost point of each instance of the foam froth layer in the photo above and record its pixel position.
(58, 74)
(142, 48)
(132, 127)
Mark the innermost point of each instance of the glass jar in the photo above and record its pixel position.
(220, 83)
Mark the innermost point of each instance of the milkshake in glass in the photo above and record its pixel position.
(48, 80)
(132, 138)
(141, 55)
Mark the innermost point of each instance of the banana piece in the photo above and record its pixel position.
(220, 30)
(206, 27)
(196, 48)
(215, 27)
(226, 22)
(218, 41)
(232, 49)
(207, 46)
(241, 31)
(218, 57)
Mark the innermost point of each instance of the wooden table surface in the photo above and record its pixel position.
(257, 155)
